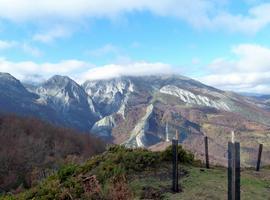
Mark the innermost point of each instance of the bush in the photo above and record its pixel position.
(103, 176)
(66, 171)
(119, 189)
(134, 159)
(139, 160)
(183, 156)
(7, 197)
(119, 160)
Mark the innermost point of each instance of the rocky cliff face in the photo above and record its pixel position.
(68, 99)
(109, 96)
(147, 111)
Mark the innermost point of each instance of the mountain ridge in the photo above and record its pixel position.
(134, 111)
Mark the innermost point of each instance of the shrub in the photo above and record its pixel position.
(73, 186)
(92, 188)
(66, 171)
(7, 197)
(103, 176)
(119, 189)
(139, 160)
(183, 156)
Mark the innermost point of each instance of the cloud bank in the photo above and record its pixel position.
(248, 72)
(80, 71)
(131, 69)
(198, 13)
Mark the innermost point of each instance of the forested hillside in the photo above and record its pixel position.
(31, 149)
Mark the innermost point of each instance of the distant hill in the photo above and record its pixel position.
(31, 149)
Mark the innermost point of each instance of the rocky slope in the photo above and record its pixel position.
(68, 99)
(134, 111)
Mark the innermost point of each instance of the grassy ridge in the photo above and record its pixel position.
(122, 173)
(105, 176)
(202, 184)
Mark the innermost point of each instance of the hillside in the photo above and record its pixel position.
(129, 174)
(135, 111)
(31, 149)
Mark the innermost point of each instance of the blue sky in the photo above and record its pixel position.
(222, 43)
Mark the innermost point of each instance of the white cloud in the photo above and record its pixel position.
(51, 35)
(80, 70)
(198, 13)
(25, 47)
(249, 72)
(131, 69)
(31, 50)
(72, 9)
(6, 44)
(114, 53)
(257, 18)
(24, 70)
(105, 50)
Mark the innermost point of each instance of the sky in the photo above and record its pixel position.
(222, 43)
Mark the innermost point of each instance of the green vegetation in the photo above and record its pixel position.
(122, 173)
(203, 184)
(101, 176)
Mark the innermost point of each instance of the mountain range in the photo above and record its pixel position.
(146, 111)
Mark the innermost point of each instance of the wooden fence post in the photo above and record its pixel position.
(237, 171)
(234, 171)
(259, 158)
(206, 152)
(175, 186)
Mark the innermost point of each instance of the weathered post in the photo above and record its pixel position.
(230, 167)
(234, 170)
(206, 152)
(237, 171)
(259, 158)
(175, 186)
